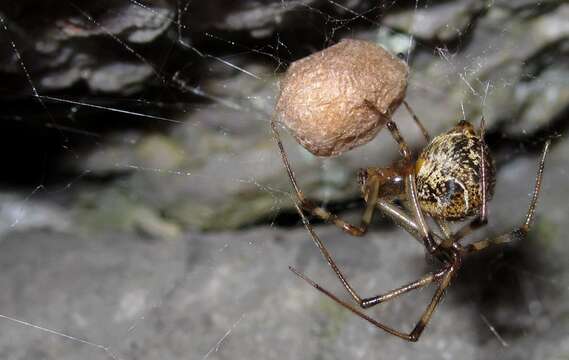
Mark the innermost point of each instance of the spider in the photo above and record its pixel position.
(450, 181)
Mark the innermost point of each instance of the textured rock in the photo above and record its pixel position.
(231, 295)
(507, 60)
(445, 21)
(77, 43)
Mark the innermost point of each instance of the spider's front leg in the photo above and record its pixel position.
(372, 191)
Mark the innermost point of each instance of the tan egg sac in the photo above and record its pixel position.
(340, 97)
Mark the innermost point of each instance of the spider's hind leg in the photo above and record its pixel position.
(444, 276)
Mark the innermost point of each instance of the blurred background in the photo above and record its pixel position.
(145, 212)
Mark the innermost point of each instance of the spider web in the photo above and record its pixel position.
(207, 277)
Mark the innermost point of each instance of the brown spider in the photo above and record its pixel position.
(452, 180)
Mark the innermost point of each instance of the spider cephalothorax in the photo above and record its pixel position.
(449, 173)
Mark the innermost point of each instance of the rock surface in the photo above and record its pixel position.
(222, 295)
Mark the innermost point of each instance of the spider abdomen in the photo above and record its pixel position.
(449, 174)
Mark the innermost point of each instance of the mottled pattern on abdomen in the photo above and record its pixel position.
(448, 174)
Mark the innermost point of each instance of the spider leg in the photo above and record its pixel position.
(482, 218)
(421, 324)
(521, 232)
(444, 227)
(400, 218)
(417, 284)
(403, 147)
(507, 238)
(537, 188)
(424, 231)
(411, 189)
(371, 301)
(328, 257)
(372, 190)
(417, 121)
(396, 134)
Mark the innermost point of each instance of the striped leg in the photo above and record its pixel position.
(372, 189)
(445, 277)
